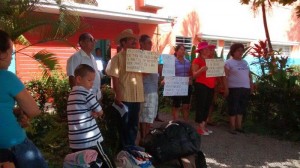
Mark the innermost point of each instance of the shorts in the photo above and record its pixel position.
(149, 108)
(238, 100)
(179, 100)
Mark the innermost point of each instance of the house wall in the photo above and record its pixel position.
(27, 68)
(193, 18)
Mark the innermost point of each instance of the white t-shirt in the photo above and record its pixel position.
(80, 57)
(238, 73)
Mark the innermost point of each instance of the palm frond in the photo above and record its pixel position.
(46, 59)
(23, 19)
(22, 40)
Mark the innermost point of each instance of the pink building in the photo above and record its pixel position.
(171, 22)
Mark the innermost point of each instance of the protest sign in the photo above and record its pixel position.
(215, 67)
(141, 61)
(169, 65)
(176, 86)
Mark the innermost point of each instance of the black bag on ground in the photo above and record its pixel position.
(172, 140)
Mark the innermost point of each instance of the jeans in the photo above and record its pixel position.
(130, 124)
(27, 155)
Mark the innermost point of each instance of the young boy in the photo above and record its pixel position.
(82, 109)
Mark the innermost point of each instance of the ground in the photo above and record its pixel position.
(223, 149)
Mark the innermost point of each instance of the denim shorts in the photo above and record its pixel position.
(27, 155)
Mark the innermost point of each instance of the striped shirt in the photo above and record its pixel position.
(83, 129)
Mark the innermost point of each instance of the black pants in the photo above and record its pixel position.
(101, 155)
(203, 97)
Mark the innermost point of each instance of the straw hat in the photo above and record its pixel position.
(128, 33)
(203, 45)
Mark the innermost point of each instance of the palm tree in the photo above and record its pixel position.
(256, 4)
(22, 17)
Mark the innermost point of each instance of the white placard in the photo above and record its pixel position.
(169, 65)
(141, 61)
(176, 86)
(215, 67)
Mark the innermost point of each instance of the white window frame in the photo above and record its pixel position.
(286, 49)
(186, 41)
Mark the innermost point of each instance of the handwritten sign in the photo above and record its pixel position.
(141, 61)
(169, 65)
(215, 67)
(176, 86)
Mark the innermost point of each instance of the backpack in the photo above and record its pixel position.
(172, 140)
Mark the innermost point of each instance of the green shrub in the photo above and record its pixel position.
(55, 87)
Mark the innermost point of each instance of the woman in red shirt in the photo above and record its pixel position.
(204, 86)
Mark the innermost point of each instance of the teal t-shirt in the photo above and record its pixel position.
(11, 133)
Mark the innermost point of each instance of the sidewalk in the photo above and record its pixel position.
(223, 149)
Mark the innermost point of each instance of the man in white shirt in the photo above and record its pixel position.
(84, 56)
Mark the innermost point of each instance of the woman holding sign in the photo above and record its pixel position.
(239, 82)
(204, 86)
(182, 69)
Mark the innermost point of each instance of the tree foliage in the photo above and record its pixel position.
(24, 18)
(258, 3)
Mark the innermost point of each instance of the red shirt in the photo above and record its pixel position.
(207, 81)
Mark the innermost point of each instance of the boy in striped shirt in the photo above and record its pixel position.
(82, 109)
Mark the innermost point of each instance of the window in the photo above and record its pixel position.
(210, 41)
(285, 50)
(227, 45)
(186, 41)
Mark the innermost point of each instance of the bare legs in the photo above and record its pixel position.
(185, 111)
(144, 129)
(235, 122)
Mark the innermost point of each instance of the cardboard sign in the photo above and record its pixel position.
(176, 86)
(168, 65)
(141, 61)
(215, 67)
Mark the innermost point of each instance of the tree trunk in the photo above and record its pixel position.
(266, 27)
(271, 62)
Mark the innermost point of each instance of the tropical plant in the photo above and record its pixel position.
(273, 66)
(275, 101)
(22, 18)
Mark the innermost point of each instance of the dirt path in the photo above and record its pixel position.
(223, 149)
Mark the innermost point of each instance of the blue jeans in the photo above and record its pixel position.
(27, 155)
(130, 124)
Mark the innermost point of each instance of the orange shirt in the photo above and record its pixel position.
(207, 81)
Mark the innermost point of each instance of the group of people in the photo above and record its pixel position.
(236, 86)
(136, 92)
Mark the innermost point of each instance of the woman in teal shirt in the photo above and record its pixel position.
(13, 138)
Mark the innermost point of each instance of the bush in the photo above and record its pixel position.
(277, 109)
(55, 87)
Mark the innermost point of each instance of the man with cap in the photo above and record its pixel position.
(128, 87)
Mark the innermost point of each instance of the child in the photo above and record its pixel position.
(82, 109)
